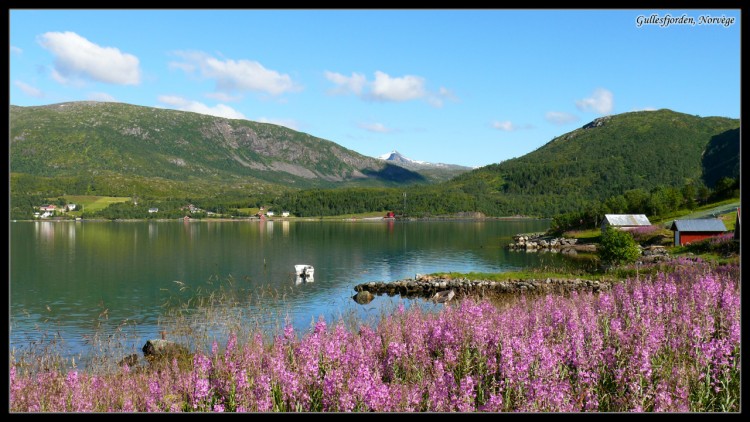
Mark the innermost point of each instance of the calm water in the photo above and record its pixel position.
(64, 274)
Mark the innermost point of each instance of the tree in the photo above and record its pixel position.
(618, 247)
(637, 199)
(704, 193)
(689, 193)
(725, 188)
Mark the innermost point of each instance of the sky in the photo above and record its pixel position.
(468, 87)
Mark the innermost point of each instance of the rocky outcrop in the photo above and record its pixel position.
(130, 360)
(427, 286)
(539, 242)
(653, 253)
(363, 297)
(158, 348)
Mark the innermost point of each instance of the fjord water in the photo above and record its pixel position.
(64, 275)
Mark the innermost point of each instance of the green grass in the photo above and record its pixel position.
(357, 215)
(249, 211)
(92, 204)
(515, 275)
(585, 236)
(730, 220)
(695, 213)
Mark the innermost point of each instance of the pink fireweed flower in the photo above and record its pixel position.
(231, 344)
(494, 404)
(464, 400)
(201, 363)
(71, 381)
(201, 391)
(668, 343)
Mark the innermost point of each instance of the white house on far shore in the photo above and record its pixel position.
(153, 210)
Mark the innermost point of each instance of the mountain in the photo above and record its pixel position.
(638, 158)
(115, 146)
(605, 158)
(436, 172)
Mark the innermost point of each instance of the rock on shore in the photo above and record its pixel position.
(427, 286)
(539, 242)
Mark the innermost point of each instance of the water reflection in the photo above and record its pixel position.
(132, 268)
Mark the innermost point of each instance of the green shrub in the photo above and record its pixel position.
(618, 247)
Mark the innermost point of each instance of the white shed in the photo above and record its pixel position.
(624, 221)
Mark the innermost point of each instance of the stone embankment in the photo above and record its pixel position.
(539, 242)
(654, 253)
(427, 286)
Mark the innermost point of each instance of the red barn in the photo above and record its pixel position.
(687, 231)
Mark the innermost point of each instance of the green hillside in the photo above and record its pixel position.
(648, 160)
(112, 149)
(605, 158)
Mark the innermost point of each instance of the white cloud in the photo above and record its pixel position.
(15, 50)
(387, 88)
(290, 123)
(405, 88)
(347, 84)
(601, 101)
(29, 90)
(101, 96)
(78, 58)
(375, 127)
(560, 117)
(219, 110)
(438, 99)
(506, 126)
(235, 75)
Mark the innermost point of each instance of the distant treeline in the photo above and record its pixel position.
(569, 212)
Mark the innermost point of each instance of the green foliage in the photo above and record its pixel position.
(689, 193)
(618, 247)
(722, 157)
(726, 187)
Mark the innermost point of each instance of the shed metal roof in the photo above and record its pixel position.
(699, 225)
(624, 220)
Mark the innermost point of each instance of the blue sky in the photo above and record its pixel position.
(470, 87)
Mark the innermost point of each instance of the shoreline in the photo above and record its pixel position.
(316, 219)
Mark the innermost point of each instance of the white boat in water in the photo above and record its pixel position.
(304, 272)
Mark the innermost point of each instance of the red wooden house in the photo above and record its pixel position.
(687, 231)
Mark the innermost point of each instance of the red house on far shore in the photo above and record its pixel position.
(687, 231)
